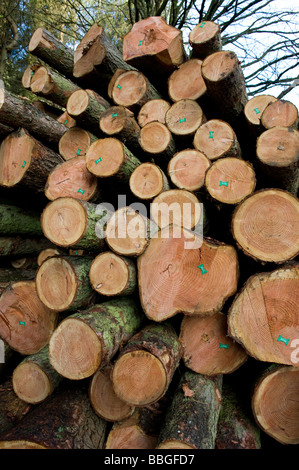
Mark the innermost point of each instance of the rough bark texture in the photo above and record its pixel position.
(8, 275)
(14, 220)
(12, 410)
(17, 246)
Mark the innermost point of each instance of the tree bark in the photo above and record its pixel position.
(147, 181)
(17, 246)
(186, 82)
(13, 410)
(15, 221)
(153, 110)
(187, 169)
(205, 39)
(75, 142)
(217, 139)
(87, 341)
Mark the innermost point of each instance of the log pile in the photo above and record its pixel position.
(149, 241)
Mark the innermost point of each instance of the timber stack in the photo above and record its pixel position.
(149, 241)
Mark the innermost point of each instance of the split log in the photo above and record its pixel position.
(69, 222)
(75, 141)
(87, 107)
(157, 143)
(26, 162)
(217, 139)
(222, 71)
(153, 110)
(280, 113)
(110, 157)
(275, 403)
(34, 379)
(12, 410)
(197, 399)
(8, 275)
(205, 39)
(25, 323)
(62, 283)
(132, 90)
(187, 169)
(15, 221)
(230, 180)
(145, 366)
(16, 113)
(113, 275)
(172, 262)
(103, 399)
(47, 253)
(147, 181)
(183, 119)
(72, 179)
(264, 315)
(236, 427)
(266, 225)
(65, 421)
(277, 151)
(253, 111)
(19, 246)
(67, 120)
(186, 82)
(207, 349)
(87, 341)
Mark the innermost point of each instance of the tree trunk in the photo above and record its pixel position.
(183, 119)
(70, 222)
(253, 321)
(175, 260)
(187, 169)
(47, 253)
(225, 83)
(87, 341)
(12, 410)
(145, 367)
(99, 161)
(205, 39)
(113, 275)
(103, 399)
(72, 179)
(217, 139)
(17, 246)
(275, 403)
(8, 275)
(16, 113)
(253, 111)
(280, 113)
(153, 110)
(34, 379)
(25, 323)
(230, 180)
(62, 283)
(278, 158)
(65, 421)
(265, 225)
(186, 82)
(147, 181)
(207, 348)
(15, 221)
(157, 143)
(75, 142)
(26, 162)
(192, 418)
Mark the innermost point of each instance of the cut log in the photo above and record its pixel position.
(16, 113)
(205, 39)
(176, 260)
(114, 78)
(25, 323)
(113, 275)
(222, 71)
(27, 75)
(147, 181)
(207, 349)
(19, 246)
(13, 410)
(110, 157)
(186, 82)
(47, 253)
(70, 222)
(87, 108)
(275, 403)
(236, 427)
(183, 119)
(253, 111)
(187, 169)
(50, 109)
(153, 110)
(217, 139)
(266, 225)
(8, 275)
(87, 341)
(62, 283)
(34, 379)
(72, 179)
(280, 113)
(24, 263)
(197, 399)
(50, 84)
(277, 150)
(145, 366)
(53, 52)
(230, 180)
(156, 141)
(75, 141)
(264, 315)
(26, 162)
(67, 120)
(65, 421)
(15, 221)
(103, 399)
